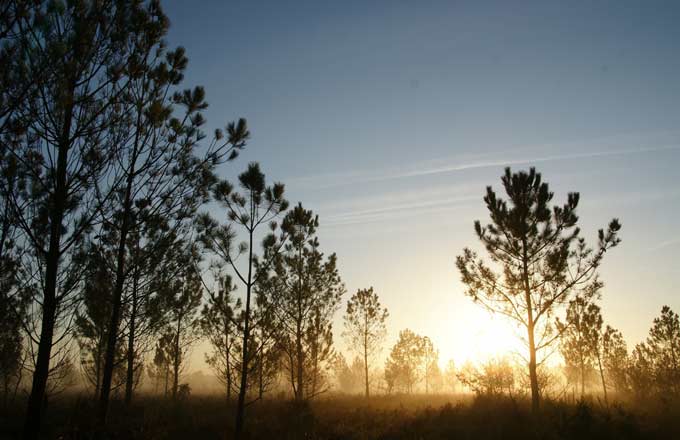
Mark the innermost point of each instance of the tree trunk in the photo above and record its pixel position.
(261, 382)
(604, 385)
(227, 362)
(241, 405)
(533, 375)
(366, 352)
(129, 379)
(167, 374)
(49, 309)
(583, 378)
(366, 365)
(299, 395)
(176, 360)
(118, 288)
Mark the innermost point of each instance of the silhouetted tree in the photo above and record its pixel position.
(92, 317)
(641, 372)
(663, 351)
(615, 359)
(349, 378)
(160, 369)
(257, 206)
(404, 367)
(365, 327)
(183, 294)
(162, 180)
(78, 57)
(12, 298)
(540, 260)
(303, 290)
(432, 375)
(451, 375)
(493, 377)
(579, 337)
(220, 327)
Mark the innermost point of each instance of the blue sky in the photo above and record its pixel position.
(390, 118)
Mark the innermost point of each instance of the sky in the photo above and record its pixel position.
(389, 119)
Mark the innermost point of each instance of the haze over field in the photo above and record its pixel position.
(347, 220)
(389, 121)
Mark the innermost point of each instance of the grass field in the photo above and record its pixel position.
(353, 417)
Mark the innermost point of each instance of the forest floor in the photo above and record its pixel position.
(354, 417)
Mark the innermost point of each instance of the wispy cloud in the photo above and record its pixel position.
(665, 244)
(398, 211)
(452, 165)
(508, 162)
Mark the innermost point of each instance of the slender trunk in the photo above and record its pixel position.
(241, 406)
(315, 365)
(227, 363)
(583, 378)
(49, 309)
(167, 374)
(177, 360)
(129, 379)
(366, 357)
(604, 385)
(120, 281)
(261, 372)
(299, 364)
(299, 396)
(533, 376)
(98, 370)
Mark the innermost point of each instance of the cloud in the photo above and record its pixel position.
(453, 165)
(665, 244)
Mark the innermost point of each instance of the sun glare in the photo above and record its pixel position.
(487, 336)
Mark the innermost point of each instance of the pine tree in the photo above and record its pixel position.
(220, 327)
(578, 337)
(76, 58)
(404, 367)
(259, 205)
(663, 348)
(365, 327)
(182, 293)
(160, 178)
(615, 359)
(303, 290)
(539, 261)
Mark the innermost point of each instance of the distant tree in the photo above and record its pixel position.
(615, 359)
(579, 340)
(493, 377)
(267, 358)
(220, 327)
(365, 327)
(257, 206)
(404, 367)
(92, 317)
(663, 351)
(302, 289)
(349, 378)
(160, 368)
(540, 260)
(451, 375)
(432, 375)
(183, 295)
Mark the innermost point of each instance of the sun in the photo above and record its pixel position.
(480, 335)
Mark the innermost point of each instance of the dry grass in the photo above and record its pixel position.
(353, 417)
